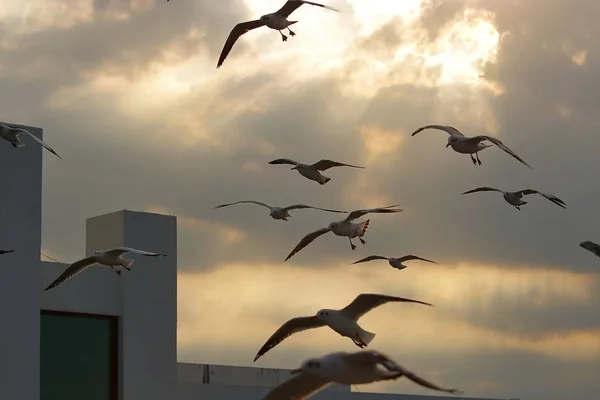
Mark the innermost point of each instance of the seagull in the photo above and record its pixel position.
(342, 321)
(345, 228)
(591, 246)
(515, 198)
(312, 171)
(394, 262)
(11, 135)
(279, 212)
(362, 367)
(469, 145)
(277, 21)
(110, 258)
(6, 251)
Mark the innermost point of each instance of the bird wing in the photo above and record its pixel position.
(550, 197)
(299, 387)
(284, 161)
(367, 301)
(292, 326)
(292, 5)
(483, 189)
(72, 270)
(50, 149)
(411, 257)
(450, 130)
(235, 33)
(306, 241)
(371, 258)
(300, 206)
(122, 250)
(498, 143)
(323, 165)
(6, 251)
(369, 357)
(244, 201)
(591, 246)
(420, 381)
(383, 210)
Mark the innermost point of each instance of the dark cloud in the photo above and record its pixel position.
(546, 113)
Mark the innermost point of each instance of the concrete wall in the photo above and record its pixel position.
(20, 229)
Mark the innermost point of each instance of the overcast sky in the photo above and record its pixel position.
(129, 90)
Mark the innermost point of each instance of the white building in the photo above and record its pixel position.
(100, 336)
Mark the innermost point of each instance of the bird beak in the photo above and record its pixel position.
(295, 371)
(447, 144)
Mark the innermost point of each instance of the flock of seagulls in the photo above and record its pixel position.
(361, 367)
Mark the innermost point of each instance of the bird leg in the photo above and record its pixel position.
(283, 37)
(290, 31)
(518, 208)
(359, 342)
(478, 160)
(118, 272)
(362, 241)
(473, 159)
(351, 244)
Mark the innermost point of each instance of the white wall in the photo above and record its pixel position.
(20, 229)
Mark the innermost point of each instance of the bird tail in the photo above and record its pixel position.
(324, 180)
(365, 227)
(127, 263)
(291, 22)
(366, 336)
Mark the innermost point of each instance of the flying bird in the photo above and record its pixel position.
(6, 251)
(281, 213)
(110, 258)
(346, 228)
(342, 321)
(11, 135)
(312, 171)
(394, 262)
(591, 246)
(362, 367)
(277, 21)
(516, 198)
(470, 145)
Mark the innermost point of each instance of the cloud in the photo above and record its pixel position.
(128, 94)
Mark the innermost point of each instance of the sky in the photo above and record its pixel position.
(128, 94)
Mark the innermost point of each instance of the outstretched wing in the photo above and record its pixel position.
(122, 250)
(499, 144)
(591, 246)
(292, 5)
(367, 301)
(411, 257)
(483, 189)
(370, 357)
(284, 161)
(299, 387)
(286, 330)
(323, 165)
(50, 149)
(71, 271)
(301, 206)
(425, 383)
(371, 258)
(235, 33)
(242, 202)
(6, 251)
(306, 241)
(550, 197)
(383, 210)
(450, 130)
